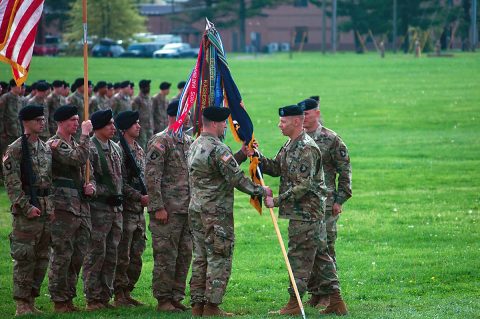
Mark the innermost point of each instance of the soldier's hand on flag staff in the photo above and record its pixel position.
(87, 127)
(336, 209)
(34, 213)
(88, 189)
(162, 216)
(144, 200)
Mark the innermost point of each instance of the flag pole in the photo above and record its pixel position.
(85, 79)
(284, 252)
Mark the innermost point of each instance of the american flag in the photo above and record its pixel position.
(18, 28)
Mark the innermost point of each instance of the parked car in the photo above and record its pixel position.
(176, 50)
(107, 48)
(141, 50)
(52, 46)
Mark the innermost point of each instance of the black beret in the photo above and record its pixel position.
(4, 84)
(290, 110)
(79, 82)
(132, 85)
(57, 83)
(165, 85)
(126, 119)
(316, 98)
(172, 108)
(109, 85)
(116, 85)
(181, 84)
(12, 83)
(101, 118)
(124, 84)
(30, 112)
(308, 104)
(144, 83)
(65, 112)
(101, 85)
(42, 86)
(216, 114)
(66, 84)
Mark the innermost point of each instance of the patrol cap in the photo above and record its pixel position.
(181, 84)
(101, 118)
(290, 110)
(316, 98)
(30, 112)
(144, 84)
(124, 84)
(101, 85)
(65, 112)
(165, 85)
(126, 119)
(172, 108)
(308, 104)
(216, 114)
(58, 83)
(42, 86)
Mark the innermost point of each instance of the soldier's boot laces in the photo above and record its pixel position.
(337, 305)
(212, 310)
(165, 305)
(177, 304)
(72, 307)
(133, 302)
(121, 301)
(94, 305)
(197, 309)
(61, 307)
(23, 308)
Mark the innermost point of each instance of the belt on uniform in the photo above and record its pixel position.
(41, 192)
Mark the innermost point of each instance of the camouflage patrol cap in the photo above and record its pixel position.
(308, 104)
(126, 119)
(290, 110)
(65, 112)
(172, 108)
(101, 118)
(216, 114)
(30, 112)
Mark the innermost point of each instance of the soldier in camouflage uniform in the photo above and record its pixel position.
(159, 108)
(167, 184)
(122, 101)
(214, 173)
(40, 98)
(71, 226)
(143, 104)
(106, 213)
(132, 245)
(336, 163)
(301, 200)
(99, 101)
(54, 101)
(76, 99)
(30, 237)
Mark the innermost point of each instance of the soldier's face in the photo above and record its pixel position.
(311, 119)
(110, 92)
(66, 91)
(285, 125)
(134, 130)
(36, 125)
(108, 131)
(70, 126)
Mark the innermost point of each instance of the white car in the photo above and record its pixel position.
(176, 50)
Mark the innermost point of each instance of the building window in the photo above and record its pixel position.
(301, 34)
(300, 3)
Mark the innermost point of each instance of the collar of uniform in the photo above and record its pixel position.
(299, 137)
(209, 135)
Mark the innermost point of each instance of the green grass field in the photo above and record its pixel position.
(409, 238)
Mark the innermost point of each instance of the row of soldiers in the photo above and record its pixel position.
(91, 213)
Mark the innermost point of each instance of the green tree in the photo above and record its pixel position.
(117, 19)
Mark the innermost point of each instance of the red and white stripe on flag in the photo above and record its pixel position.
(18, 29)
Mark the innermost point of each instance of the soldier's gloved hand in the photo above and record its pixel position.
(87, 127)
(88, 189)
(34, 213)
(268, 191)
(144, 200)
(162, 216)
(268, 201)
(336, 209)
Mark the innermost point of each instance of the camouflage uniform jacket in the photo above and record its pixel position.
(120, 103)
(113, 156)
(10, 105)
(335, 160)
(159, 109)
(41, 156)
(76, 99)
(54, 101)
(131, 183)
(143, 104)
(43, 102)
(98, 102)
(68, 173)
(167, 173)
(214, 173)
(302, 188)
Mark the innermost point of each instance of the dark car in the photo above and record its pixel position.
(176, 50)
(107, 48)
(50, 47)
(142, 50)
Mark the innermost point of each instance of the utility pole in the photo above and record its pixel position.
(474, 25)
(324, 27)
(334, 26)
(394, 39)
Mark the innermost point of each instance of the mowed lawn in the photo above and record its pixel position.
(409, 239)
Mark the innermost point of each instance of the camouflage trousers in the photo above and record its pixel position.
(213, 244)
(101, 260)
(144, 137)
(130, 250)
(172, 254)
(331, 222)
(307, 246)
(70, 239)
(29, 242)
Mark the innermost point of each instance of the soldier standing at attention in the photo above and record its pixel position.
(66, 89)
(27, 167)
(180, 87)
(143, 104)
(100, 100)
(10, 104)
(41, 99)
(121, 101)
(106, 213)
(336, 165)
(71, 226)
(214, 173)
(301, 199)
(76, 99)
(159, 105)
(167, 184)
(54, 101)
(132, 244)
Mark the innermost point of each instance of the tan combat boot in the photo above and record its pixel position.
(72, 306)
(164, 305)
(23, 308)
(319, 301)
(61, 307)
(32, 305)
(94, 305)
(197, 309)
(291, 308)
(337, 305)
(212, 310)
(177, 304)
(120, 300)
(133, 301)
